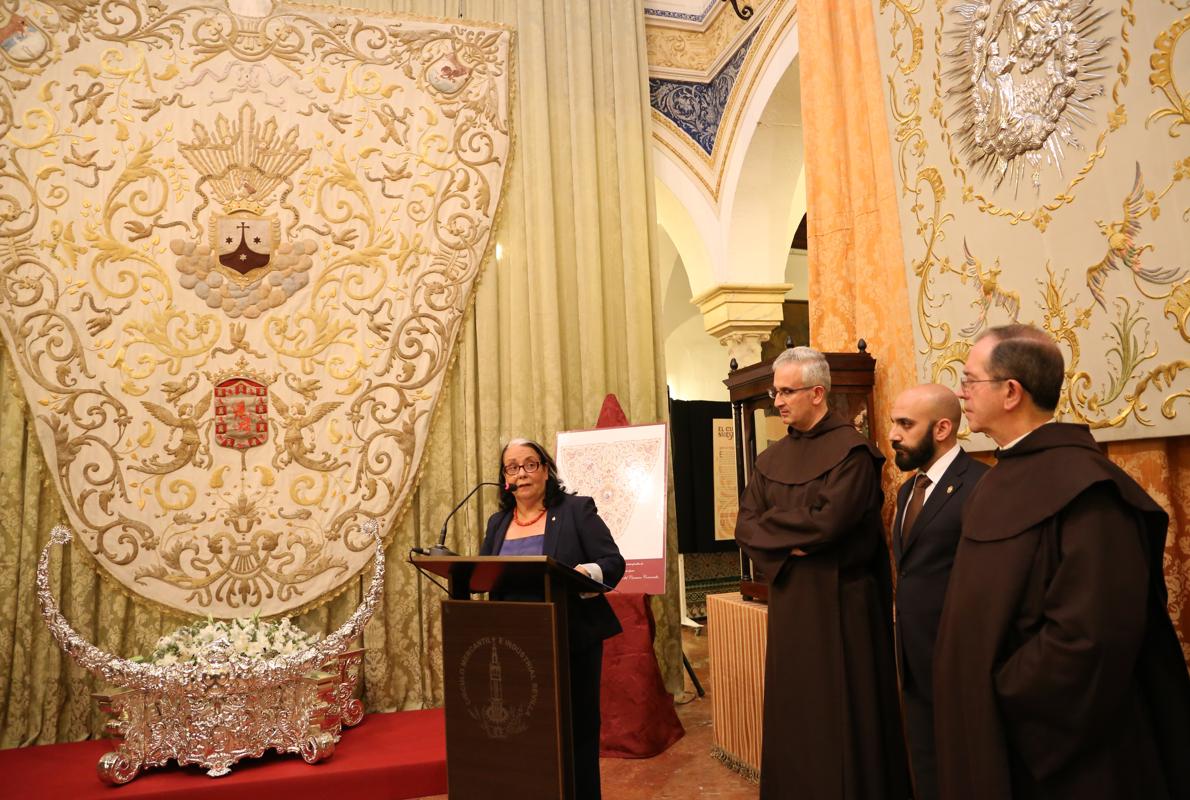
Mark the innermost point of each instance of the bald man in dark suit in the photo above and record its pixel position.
(925, 424)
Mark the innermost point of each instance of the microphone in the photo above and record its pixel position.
(441, 549)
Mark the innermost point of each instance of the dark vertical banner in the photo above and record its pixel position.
(692, 432)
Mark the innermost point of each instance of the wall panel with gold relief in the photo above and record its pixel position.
(1042, 152)
(238, 244)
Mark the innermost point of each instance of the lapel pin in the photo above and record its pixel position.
(950, 489)
(553, 519)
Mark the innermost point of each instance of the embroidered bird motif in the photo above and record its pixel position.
(1123, 248)
(991, 295)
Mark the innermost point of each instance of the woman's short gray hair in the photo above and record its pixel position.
(815, 370)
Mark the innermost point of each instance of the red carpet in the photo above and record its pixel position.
(386, 756)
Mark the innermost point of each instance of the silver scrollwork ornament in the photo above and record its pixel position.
(227, 706)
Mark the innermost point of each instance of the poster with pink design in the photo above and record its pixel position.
(624, 470)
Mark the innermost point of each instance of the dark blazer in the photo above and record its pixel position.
(574, 534)
(923, 564)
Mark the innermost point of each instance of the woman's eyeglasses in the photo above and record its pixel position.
(529, 467)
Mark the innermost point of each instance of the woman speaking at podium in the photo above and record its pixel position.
(538, 517)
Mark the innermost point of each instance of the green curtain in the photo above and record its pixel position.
(568, 314)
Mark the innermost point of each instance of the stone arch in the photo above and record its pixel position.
(766, 197)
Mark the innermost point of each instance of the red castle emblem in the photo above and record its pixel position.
(241, 413)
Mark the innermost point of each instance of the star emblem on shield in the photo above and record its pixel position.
(244, 242)
(245, 268)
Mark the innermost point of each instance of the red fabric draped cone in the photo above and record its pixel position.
(638, 716)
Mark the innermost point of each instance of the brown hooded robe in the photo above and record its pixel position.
(1057, 671)
(831, 719)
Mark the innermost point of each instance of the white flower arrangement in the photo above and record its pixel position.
(248, 635)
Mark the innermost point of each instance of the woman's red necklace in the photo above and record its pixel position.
(516, 517)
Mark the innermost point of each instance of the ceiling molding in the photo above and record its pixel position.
(687, 14)
(698, 54)
(697, 108)
(708, 169)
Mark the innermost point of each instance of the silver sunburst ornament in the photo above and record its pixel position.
(1019, 78)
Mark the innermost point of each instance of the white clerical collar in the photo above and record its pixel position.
(939, 467)
(1018, 439)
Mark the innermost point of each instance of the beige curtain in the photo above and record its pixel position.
(857, 277)
(569, 313)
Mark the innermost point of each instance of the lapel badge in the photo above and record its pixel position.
(950, 489)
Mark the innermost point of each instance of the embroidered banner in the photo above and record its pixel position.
(240, 240)
(1042, 160)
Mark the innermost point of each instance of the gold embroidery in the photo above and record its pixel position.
(1162, 77)
(236, 333)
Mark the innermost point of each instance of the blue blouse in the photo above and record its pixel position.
(528, 546)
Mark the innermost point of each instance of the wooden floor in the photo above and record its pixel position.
(687, 770)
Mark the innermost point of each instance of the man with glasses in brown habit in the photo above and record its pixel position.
(810, 521)
(1057, 672)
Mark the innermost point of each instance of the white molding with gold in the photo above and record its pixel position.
(717, 235)
(679, 50)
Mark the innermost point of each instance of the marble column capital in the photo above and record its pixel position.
(742, 316)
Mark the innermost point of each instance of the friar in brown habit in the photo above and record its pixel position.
(1057, 671)
(810, 522)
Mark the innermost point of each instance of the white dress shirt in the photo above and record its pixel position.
(935, 473)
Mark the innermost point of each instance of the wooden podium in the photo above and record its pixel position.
(506, 670)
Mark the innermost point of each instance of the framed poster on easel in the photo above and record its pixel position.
(624, 470)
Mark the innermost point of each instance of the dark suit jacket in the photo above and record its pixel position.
(923, 568)
(574, 534)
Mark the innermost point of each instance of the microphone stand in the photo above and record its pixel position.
(441, 549)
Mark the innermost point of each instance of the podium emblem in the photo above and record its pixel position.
(500, 716)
